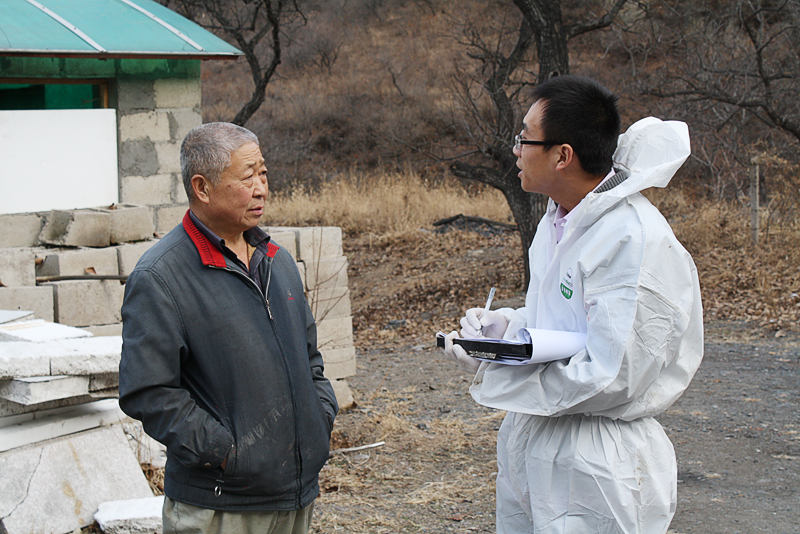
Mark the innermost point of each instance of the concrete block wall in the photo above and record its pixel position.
(154, 116)
(83, 303)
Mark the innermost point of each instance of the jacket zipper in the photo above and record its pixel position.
(250, 281)
(218, 487)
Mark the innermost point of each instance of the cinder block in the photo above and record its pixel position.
(177, 93)
(287, 240)
(151, 190)
(344, 397)
(179, 191)
(57, 486)
(326, 273)
(130, 222)
(87, 302)
(169, 160)
(315, 242)
(169, 217)
(134, 94)
(17, 267)
(38, 299)
(146, 124)
(182, 120)
(20, 230)
(329, 303)
(339, 363)
(76, 228)
(39, 389)
(130, 516)
(138, 157)
(129, 254)
(77, 261)
(335, 333)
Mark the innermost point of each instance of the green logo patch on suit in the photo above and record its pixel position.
(566, 284)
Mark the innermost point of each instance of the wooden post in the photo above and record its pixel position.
(754, 172)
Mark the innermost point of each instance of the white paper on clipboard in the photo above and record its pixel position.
(550, 345)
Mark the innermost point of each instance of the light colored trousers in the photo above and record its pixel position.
(181, 518)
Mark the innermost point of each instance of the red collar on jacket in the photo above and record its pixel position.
(209, 254)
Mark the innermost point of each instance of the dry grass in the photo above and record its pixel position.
(740, 280)
(382, 204)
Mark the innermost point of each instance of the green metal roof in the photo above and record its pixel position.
(103, 28)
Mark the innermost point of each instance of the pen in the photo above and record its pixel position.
(489, 300)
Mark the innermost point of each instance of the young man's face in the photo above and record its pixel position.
(534, 162)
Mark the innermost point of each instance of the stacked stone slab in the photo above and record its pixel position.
(62, 451)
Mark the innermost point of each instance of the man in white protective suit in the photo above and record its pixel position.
(579, 450)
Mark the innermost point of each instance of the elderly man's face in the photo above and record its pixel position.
(236, 204)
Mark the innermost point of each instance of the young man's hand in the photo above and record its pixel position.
(477, 322)
(458, 354)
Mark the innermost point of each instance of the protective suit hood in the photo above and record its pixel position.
(651, 151)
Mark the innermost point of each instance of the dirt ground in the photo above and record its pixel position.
(736, 430)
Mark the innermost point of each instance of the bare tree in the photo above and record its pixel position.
(732, 71)
(492, 101)
(256, 27)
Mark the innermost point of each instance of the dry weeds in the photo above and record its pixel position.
(384, 205)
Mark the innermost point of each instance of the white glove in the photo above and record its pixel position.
(458, 354)
(479, 323)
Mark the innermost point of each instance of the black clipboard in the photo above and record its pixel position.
(491, 349)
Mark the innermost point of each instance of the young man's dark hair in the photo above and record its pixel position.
(582, 113)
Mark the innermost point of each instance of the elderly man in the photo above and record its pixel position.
(219, 355)
(579, 450)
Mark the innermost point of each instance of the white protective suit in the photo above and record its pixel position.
(579, 450)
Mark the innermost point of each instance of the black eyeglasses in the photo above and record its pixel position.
(519, 141)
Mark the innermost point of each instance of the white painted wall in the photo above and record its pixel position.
(58, 159)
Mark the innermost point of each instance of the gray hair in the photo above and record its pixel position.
(206, 150)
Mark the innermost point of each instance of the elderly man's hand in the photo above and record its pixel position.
(458, 354)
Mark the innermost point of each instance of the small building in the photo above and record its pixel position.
(95, 98)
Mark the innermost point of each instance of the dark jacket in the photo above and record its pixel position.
(213, 368)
